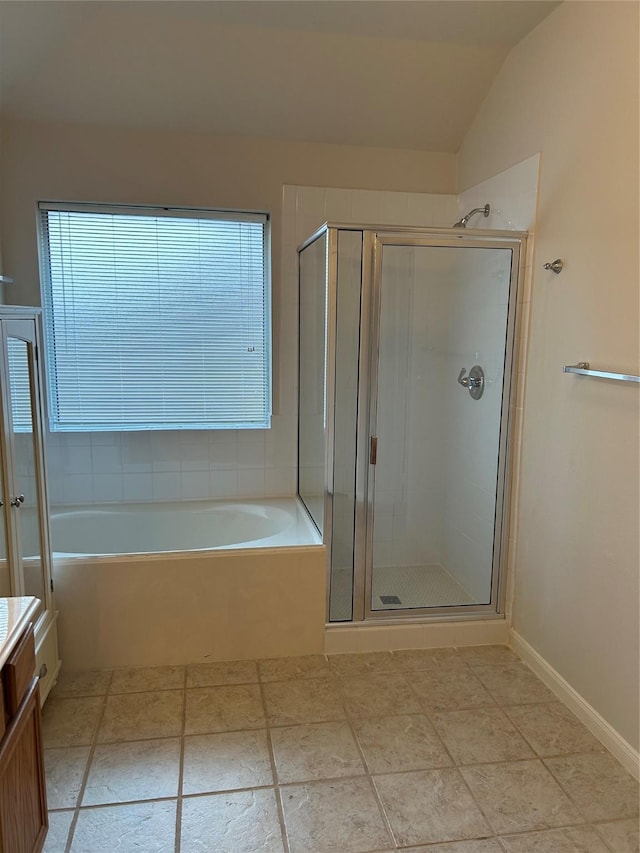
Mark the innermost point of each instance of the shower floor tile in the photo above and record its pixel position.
(415, 586)
(309, 762)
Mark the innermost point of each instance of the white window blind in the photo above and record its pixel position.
(155, 319)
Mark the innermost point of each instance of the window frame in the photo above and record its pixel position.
(216, 214)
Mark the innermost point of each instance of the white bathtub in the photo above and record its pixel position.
(152, 585)
(189, 526)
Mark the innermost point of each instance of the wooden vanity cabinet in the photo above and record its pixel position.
(23, 799)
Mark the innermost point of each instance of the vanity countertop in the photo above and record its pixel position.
(15, 615)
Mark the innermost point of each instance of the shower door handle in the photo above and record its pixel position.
(373, 450)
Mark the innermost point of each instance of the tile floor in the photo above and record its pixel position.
(430, 751)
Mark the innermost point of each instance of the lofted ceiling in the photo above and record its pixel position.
(392, 73)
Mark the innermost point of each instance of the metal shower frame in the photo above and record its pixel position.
(374, 239)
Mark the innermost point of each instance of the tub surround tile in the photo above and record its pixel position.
(144, 679)
(308, 700)
(576, 840)
(143, 827)
(379, 694)
(447, 689)
(400, 743)
(480, 735)
(224, 761)
(513, 684)
(70, 722)
(239, 822)
(362, 663)
(223, 709)
(139, 770)
(285, 669)
(341, 816)
(81, 683)
(553, 730)
(64, 771)
(220, 673)
(318, 751)
(520, 796)
(599, 786)
(622, 836)
(138, 716)
(59, 826)
(429, 806)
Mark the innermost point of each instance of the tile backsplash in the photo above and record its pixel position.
(109, 467)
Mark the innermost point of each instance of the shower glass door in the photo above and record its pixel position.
(441, 337)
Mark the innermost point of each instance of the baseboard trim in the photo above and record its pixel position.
(595, 722)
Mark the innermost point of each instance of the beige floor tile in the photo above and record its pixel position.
(400, 743)
(410, 659)
(143, 827)
(239, 822)
(313, 700)
(430, 806)
(70, 722)
(318, 751)
(219, 673)
(333, 817)
(446, 689)
(81, 683)
(379, 694)
(486, 655)
(513, 684)
(622, 836)
(138, 770)
(576, 840)
(520, 796)
(477, 845)
(284, 669)
(145, 679)
(64, 771)
(223, 709)
(480, 735)
(362, 663)
(59, 825)
(600, 787)
(553, 729)
(224, 761)
(136, 716)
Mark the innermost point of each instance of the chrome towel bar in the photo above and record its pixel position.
(582, 367)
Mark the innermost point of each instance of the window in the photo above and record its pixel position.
(155, 319)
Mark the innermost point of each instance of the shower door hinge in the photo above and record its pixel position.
(373, 450)
(51, 583)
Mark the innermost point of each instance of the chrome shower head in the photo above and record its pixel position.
(462, 223)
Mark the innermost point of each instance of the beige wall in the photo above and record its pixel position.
(570, 91)
(84, 163)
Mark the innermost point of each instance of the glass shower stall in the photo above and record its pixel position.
(406, 353)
